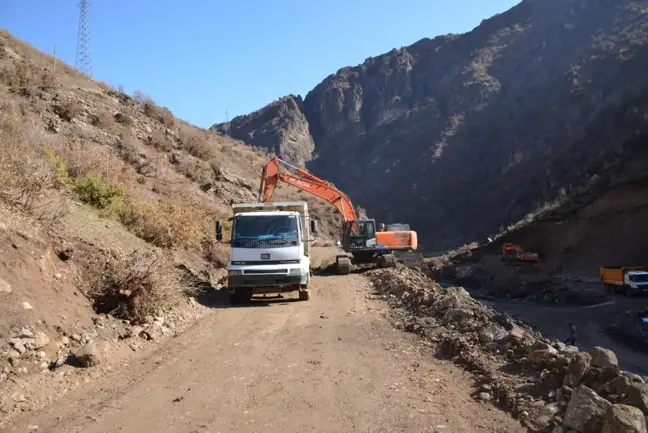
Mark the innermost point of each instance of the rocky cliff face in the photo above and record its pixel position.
(280, 127)
(462, 135)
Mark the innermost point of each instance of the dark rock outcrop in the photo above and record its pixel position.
(280, 128)
(461, 135)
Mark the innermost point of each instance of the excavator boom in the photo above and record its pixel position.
(359, 236)
(305, 181)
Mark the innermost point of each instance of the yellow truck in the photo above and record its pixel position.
(625, 279)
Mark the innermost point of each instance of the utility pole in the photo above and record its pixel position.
(84, 53)
(54, 66)
(227, 125)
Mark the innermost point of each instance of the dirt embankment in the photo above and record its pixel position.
(573, 241)
(546, 384)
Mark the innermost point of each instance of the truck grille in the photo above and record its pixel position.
(254, 243)
(268, 271)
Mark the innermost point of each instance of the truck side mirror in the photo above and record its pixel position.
(219, 230)
(313, 224)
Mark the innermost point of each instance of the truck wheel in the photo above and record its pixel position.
(242, 295)
(304, 294)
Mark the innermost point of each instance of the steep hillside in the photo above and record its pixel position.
(462, 135)
(107, 211)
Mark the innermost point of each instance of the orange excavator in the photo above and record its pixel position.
(513, 253)
(359, 237)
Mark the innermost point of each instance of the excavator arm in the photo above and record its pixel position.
(272, 174)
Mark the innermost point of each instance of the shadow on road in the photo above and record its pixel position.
(211, 297)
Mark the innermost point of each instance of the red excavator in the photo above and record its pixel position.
(359, 236)
(513, 253)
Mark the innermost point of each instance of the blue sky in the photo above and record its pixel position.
(200, 58)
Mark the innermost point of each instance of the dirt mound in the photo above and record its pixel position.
(544, 383)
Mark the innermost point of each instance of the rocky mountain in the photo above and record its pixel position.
(462, 135)
(280, 127)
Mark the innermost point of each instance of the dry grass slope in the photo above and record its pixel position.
(72, 148)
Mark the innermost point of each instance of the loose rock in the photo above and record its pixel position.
(623, 419)
(577, 369)
(585, 411)
(603, 358)
(40, 340)
(637, 396)
(90, 355)
(5, 287)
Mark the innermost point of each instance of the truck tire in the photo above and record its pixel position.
(242, 295)
(304, 294)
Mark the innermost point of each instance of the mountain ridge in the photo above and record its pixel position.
(473, 132)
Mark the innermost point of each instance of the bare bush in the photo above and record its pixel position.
(170, 223)
(160, 141)
(24, 168)
(195, 142)
(141, 97)
(139, 285)
(218, 254)
(68, 110)
(103, 120)
(161, 114)
(196, 169)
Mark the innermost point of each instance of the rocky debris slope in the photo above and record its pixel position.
(280, 127)
(549, 386)
(501, 122)
(37, 368)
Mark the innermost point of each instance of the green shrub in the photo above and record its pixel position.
(93, 190)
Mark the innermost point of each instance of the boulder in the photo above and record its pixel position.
(620, 418)
(577, 369)
(603, 358)
(637, 396)
(492, 333)
(542, 357)
(585, 411)
(90, 355)
(619, 385)
(40, 340)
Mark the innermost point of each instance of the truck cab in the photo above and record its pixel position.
(270, 250)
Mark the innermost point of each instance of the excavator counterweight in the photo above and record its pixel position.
(359, 237)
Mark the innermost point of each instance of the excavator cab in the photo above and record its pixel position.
(359, 235)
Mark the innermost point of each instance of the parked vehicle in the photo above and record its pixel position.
(625, 279)
(270, 250)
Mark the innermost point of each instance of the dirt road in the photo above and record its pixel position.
(332, 364)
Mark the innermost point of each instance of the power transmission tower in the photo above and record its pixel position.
(84, 53)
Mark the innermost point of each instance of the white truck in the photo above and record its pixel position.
(270, 249)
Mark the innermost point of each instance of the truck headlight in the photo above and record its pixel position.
(295, 271)
(234, 272)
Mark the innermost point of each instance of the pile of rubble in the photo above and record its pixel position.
(549, 386)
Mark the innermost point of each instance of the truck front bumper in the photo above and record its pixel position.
(266, 281)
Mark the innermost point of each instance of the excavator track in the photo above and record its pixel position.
(386, 261)
(412, 259)
(344, 265)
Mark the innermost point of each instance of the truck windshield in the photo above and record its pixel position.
(639, 278)
(265, 227)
